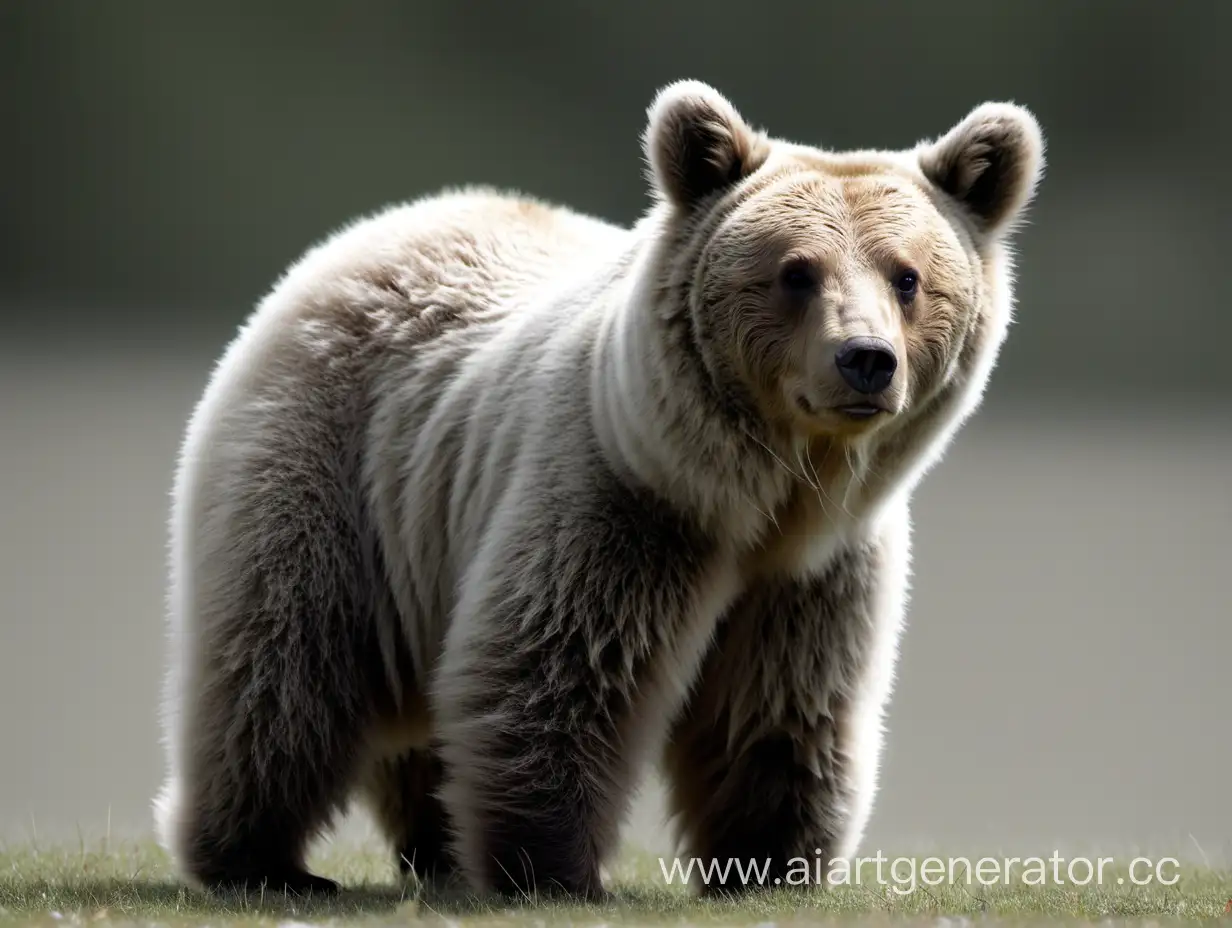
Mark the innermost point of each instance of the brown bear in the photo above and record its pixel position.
(489, 504)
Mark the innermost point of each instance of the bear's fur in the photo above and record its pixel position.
(490, 502)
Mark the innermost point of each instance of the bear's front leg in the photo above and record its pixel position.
(536, 799)
(555, 671)
(774, 761)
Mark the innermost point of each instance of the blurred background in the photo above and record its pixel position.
(1065, 678)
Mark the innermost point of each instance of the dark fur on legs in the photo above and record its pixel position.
(542, 823)
(761, 805)
(403, 793)
(254, 815)
(288, 655)
(273, 782)
(253, 845)
(760, 764)
(540, 715)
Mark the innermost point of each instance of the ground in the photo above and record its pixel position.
(129, 883)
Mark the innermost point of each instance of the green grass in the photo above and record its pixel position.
(131, 883)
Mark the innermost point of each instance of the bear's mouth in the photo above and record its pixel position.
(861, 410)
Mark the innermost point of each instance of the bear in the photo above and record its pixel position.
(491, 504)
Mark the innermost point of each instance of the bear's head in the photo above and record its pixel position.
(837, 292)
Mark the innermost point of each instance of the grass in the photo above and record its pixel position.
(131, 883)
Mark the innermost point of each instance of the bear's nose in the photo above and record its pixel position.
(867, 363)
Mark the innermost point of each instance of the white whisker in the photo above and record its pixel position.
(840, 505)
(770, 452)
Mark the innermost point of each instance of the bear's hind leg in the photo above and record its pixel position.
(402, 792)
(272, 759)
(276, 722)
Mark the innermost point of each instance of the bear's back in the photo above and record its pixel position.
(416, 270)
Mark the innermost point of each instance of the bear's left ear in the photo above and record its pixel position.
(696, 144)
(991, 163)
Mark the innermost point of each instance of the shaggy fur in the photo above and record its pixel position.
(491, 503)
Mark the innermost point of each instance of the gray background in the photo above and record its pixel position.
(1065, 677)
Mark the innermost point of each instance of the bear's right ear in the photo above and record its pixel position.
(696, 144)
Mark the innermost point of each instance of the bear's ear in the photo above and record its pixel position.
(990, 163)
(697, 144)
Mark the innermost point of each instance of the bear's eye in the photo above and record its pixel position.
(907, 284)
(798, 277)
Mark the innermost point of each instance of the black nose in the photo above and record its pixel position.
(866, 363)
